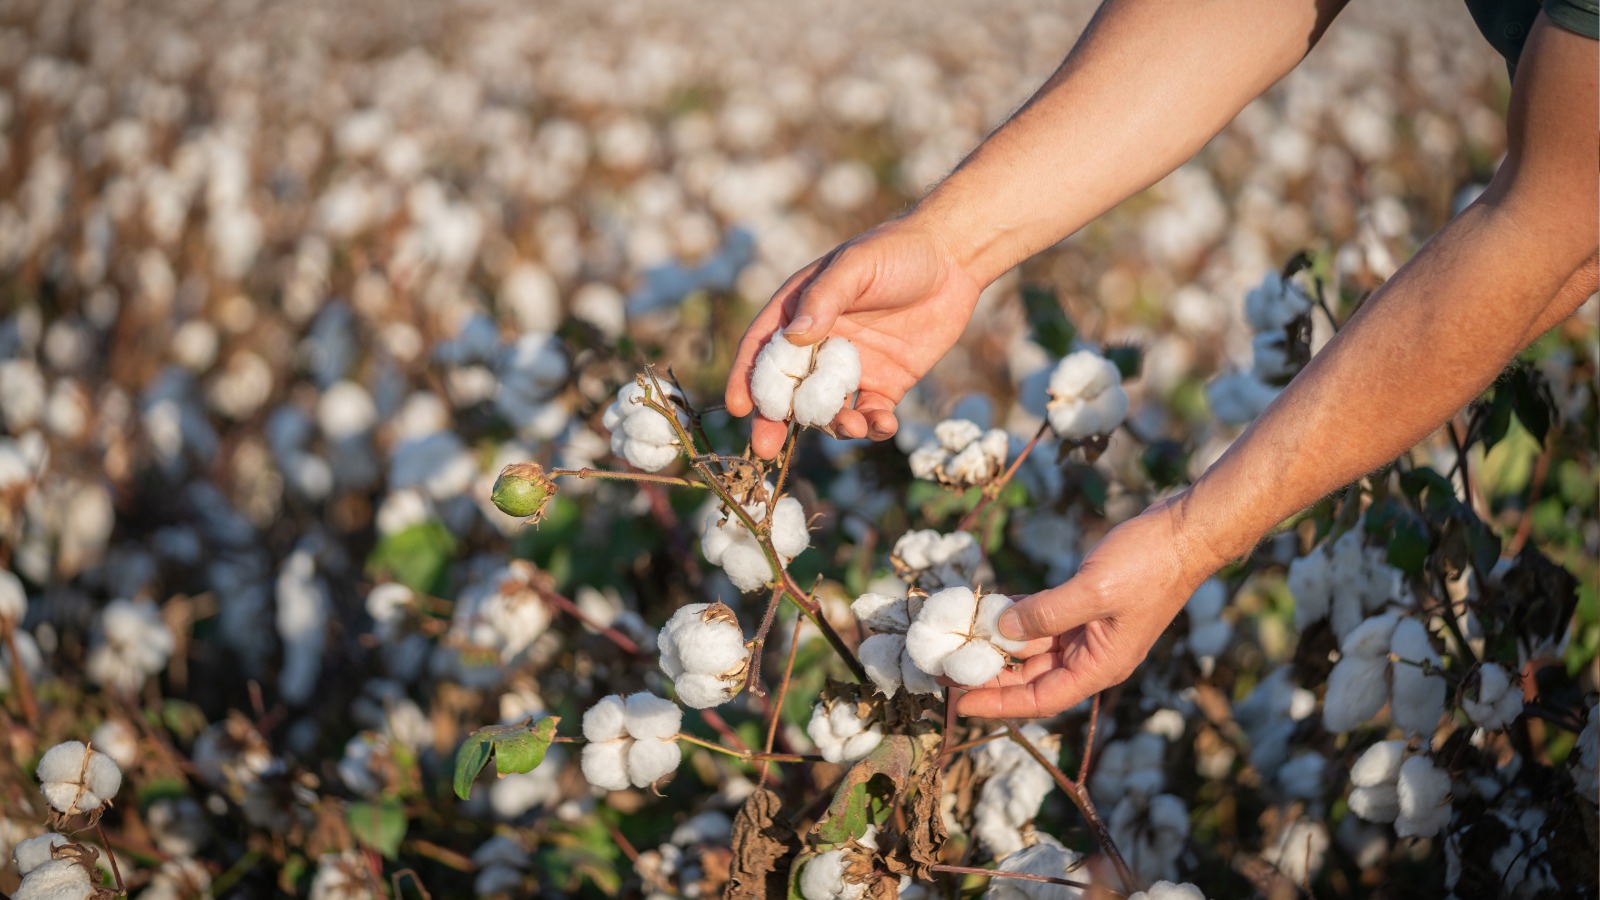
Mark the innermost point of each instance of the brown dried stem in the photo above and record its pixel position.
(777, 702)
(116, 871)
(1088, 740)
(1080, 798)
(752, 673)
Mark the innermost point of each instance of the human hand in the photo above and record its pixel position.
(896, 292)
(1093, 631)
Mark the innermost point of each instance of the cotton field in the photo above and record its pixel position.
(361, 426)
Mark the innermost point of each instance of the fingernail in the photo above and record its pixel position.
(799, 326)
(1011, 625)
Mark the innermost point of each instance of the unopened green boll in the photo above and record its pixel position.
(522, 490)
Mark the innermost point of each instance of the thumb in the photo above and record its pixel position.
(1049, 613)
(834, 290)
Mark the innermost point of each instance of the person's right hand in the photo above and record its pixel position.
(896, 292)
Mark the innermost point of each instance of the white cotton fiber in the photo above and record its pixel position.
(58, 879)
(1424, 798)
(1357, 689)
(649, 761)
(1417, 698)
(651, 717)
(605, 765)
(606, 720)
(1380, 764)
(75, 779)
(978, 662)
(1499, 699)
(880, 656)
(35, 852)
(790, 536)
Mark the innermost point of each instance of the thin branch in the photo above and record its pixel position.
(1080, 798)
(19, 676)
(714, 719)
(993, 488)
(749, 755)
(116, 870)
(752, 675)
(1020, 876)
(777, 702)
(783, 470)
(1088, 741)
(623, 642)
(610, 475)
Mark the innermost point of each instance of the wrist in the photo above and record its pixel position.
(970, 239)
(1206, 541)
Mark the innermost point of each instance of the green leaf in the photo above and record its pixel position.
(868, 793)
(1408, 548)
(381, 826)
(1165, 462)
(1531, 401)
(515, 749)
(417, 557)
(1052, 329)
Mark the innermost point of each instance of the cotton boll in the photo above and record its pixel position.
(1498, 701)
(13, 599)
(810, 384)
(840, 734)
(1378, 803)
(820, 397)
(704, 639)
(115, 739)
(1300, 850)
(1424, 798)
(1274, 303)
(605, 765)
(58, 879)
(1308, 583)
(651, 760)
(1048, 858)
(882, 613)
(1357, 689)
(1086, 396)
(974, 664)
(607, 720)
(642, 435)
(1239, 398)
(36, 851)
(790, 536)
(1151, 833)
(131, 643)
(650, 717)
(932, 561)
(178, 825)
(776, 374)
(75, 779)
(1372, 638)
(1166, 890)
(1417, 699)
(1379, 764)
(822, 878)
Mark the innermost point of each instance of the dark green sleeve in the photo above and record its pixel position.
(1578, 16)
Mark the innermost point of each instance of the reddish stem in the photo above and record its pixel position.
(1088, 741)
(777, 702)
(1080, 798)
(993, 489)
(625, 643)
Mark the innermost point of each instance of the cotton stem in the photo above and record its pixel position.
(993, 488)
(609, 475)
(748, 755)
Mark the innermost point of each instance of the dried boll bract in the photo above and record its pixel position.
(703, 652)
(77, 780)
(1086, 396)
(640, 434)
(809, 384)
(961, 454)
(956, 634)
(631, 742)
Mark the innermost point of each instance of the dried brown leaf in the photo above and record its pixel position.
(763, 841)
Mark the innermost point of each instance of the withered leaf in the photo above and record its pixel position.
(762, 841)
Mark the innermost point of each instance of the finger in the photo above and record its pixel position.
(1050, 613)
(1035, 648)
(1053, 692)
(767, 436)
(842, 278)
(850, 423)
(771, 317)
(878, 411)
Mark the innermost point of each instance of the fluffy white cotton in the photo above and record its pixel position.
(1498, 701)
(13, 599)
(1239, 397)
(35, 852)
(115, 739)
(809, 384)
(1417, 698)
(890, 666)
(341, 876)
(1166, 890)
(1357, 689)
(1132, 767)
(642, 435)
(75, 779)
(1274, 303)
(961, 454)
(726, 542)
(931, 561)
(1013, 789)
(1047, 858)
(1424, 791)
(1374, 795)
(956, 634)
(1300, 850)
(839, 732)
(304, 606)
(1151, 833)
(130, 644)
(630, 742)
(703, 639)
(822, 878)
(1209, 633)
(58, 879)
(1086, 396)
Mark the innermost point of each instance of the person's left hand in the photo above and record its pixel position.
(1092, 632)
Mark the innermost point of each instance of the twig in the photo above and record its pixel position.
(443, 855)
(977, 742)
(623, 642)
(777, 702)
(1080, 798)
(749, 755)
(394, 882)
(1088, 741)
(714, 719)
(19, 676)
(813, 611)
(752, 675)
(1020, 876)
(611, 475)
(783, 470)
(1541, 469)
(993, 488)
(116, 871)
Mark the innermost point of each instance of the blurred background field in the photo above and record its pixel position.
(283, 285)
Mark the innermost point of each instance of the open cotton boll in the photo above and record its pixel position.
(1417, 697)
(930, 560)
(605, 765)
(1357, 689)
(822, 878)
(130, 643)
(1086, 396)
(1308, 583)
(961, 454)
(1300, 850)
(36, 851)
(606, 720)
(1238, 398)
(1274, 303)
(882, 613)
(1047, 858)
(891, 667)
(650, 760)
(790, 534)
(703, 652)
(75, 779)
(649, 717)
(840, 734)
(58, 879)
(1498, 701)
(13, 599)
(1013, 789)
(1424, 798)
(1379, 764)
(808, 384)
(642, 435)
(955, 628)
(1166, 890)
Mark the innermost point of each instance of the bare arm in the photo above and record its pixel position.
(1148, 83)
(1517, 261)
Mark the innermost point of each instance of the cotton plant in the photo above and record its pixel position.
(929, 560)
(844, 731)
(1013, 790)
(883, 653)
(703, 652)
(642, 435)
(632, 741)
(961, 454)
(808, 384)
(727, 540)
(77, 780)
(1086, 396)
(1364, 679)
(956, 633)
(1496, 701)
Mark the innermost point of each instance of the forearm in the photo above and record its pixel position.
(1146, 86)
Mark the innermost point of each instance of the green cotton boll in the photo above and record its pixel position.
(522, 490)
